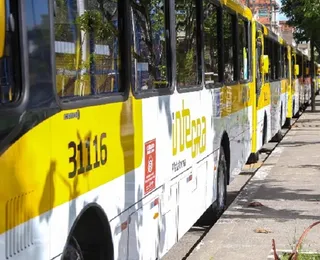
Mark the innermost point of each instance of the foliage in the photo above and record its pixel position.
(304, 15)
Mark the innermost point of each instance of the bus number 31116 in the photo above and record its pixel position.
(81, 155)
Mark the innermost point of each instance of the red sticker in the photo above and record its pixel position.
(149, 166)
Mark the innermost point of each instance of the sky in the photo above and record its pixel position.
(281, 16)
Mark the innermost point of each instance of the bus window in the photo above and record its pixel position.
(2, 26)
(149, 45)
(282, 62)
(186, 50)
(276, 61)
(268, 51)
(258, 61)
(293, 62)
(272, 59)
(299, 62)
(229, 47)
(10, 88)
(87, 48)
(286, 63)
(243, 49)
(211, 52)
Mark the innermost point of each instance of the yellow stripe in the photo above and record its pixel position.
(37, 165)
(236, 97)
(265, 96)
(284, 85)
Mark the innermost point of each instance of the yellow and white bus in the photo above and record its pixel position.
(317, 77)
(304, 81)
(295, 87)
(272, 86)
(277, 81)
(122, 122)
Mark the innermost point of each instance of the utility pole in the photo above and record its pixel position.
(313, 94)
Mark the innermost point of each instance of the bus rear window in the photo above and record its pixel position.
(10, 88)
(87, 48)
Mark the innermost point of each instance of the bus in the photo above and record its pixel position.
(304, 80)
(273, 87)
(277, 81)
(122, 122)
(317, 78)
(295, 89)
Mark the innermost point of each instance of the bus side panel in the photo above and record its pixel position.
(275, 87)
(296, 95)
(264, 109)
(25, 194)
(284, 100)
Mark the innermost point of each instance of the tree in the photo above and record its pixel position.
(304, 15)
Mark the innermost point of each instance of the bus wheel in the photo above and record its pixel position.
(72, 250)
(221, 184)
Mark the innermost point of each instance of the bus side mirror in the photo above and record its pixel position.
(296, 70)
(264, 64)
(2, 26)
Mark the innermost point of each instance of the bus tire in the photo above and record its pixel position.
(72, 250)
(265, 130)
(221, 184)
(288, 123)
(89, 241)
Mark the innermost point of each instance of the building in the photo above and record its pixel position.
(286, 32)
(265, 11)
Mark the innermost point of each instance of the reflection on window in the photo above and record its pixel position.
(299, 62)
(211, 59)
(86, 47)
(243, 49)
(229, 47)
(277, 61)
(9, 62)
(281, 62)
(268, 51)
(186, 28)
(286, 62)
(307, 70)
(149, 44)
(292, 66)
(258, 61)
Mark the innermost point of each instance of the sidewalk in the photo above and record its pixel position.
(288, 187)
